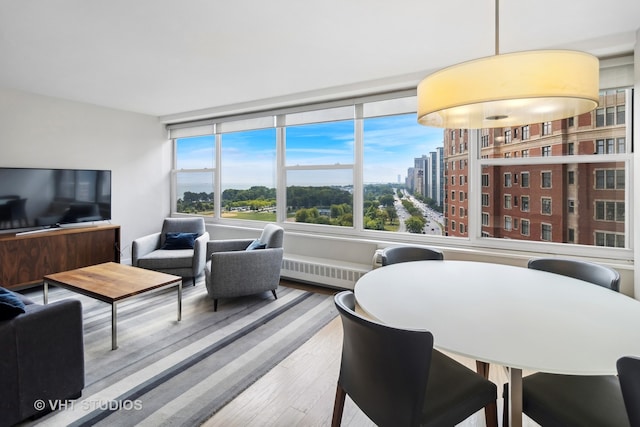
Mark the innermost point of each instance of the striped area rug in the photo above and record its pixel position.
(174, 373)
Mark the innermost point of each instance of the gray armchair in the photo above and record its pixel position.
(156, 252)
(234, 270)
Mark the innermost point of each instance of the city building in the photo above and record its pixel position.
(576, 202)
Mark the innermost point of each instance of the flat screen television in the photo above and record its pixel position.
(32, 198)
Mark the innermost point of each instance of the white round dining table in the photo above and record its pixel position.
(507, 315)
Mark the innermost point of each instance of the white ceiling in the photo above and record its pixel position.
(175, 58)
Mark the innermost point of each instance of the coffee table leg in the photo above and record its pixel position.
(180, 301)
(114, 330)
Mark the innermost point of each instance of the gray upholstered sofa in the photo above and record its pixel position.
(153, 252)
(41, 358)
(234, 270)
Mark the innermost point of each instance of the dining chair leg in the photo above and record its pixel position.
(491, 410)
(491, 415)
(338, 407)
(482, 368)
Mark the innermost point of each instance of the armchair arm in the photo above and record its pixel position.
(200, 253)
(227, 245)
(143, 246)
(245, 272)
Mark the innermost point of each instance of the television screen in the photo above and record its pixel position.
(42, 198)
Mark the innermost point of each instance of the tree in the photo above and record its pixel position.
(415, 224)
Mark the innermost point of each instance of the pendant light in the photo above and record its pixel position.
(510, 89)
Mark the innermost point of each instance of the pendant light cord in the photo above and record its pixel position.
(497, 24)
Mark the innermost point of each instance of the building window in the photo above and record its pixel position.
(609, 179)
(461, 228)
(609, 211)
(524, 227)
(612, 240)
(507, 180)
(507, 223)
(546, 151)
(507, 201)
(525, 132)
(545, 204)
(570, 149)
(545, 180)
(621, 145)
(485, 199)
(524, 203)
(524, 180)
(485, 219)
(620, 114)
(570, 122)
(571, 235)
(546, 128)
(599, 117)
(507, 136)
(524, 153)
(453, 195)
(485, 180)
(484, 141)
(545, 232)
(571, 177)
(571, 206)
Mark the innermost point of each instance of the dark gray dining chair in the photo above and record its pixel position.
(397, 379)
(396, 254)
(578, 269)
(629, 376)
(573, 400)
(581, 400)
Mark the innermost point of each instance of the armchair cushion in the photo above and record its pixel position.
(10, 304)
(174, 241)
(256, 244)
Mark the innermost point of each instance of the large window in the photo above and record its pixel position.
(364, 167)
(194, 175)
(319, 173)
(248, 175)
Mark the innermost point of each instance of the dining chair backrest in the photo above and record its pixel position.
(384, 369)
(396, 254)
(578, 269)
(629, 376)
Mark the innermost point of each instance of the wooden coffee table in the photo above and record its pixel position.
(113, 283)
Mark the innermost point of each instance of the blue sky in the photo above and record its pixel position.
(390, 145)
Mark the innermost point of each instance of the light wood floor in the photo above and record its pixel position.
(301, 389)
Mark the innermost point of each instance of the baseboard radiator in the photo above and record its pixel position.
(324, 272)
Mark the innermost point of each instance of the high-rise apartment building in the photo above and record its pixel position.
(580, 200)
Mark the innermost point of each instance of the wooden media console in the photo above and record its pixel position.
(25, 258)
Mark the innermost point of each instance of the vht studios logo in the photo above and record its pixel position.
(88, 405)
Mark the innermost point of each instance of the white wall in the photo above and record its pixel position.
(37, 131)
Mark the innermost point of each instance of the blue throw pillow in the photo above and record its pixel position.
(10, 304)
(256, 244)
(179, 240)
